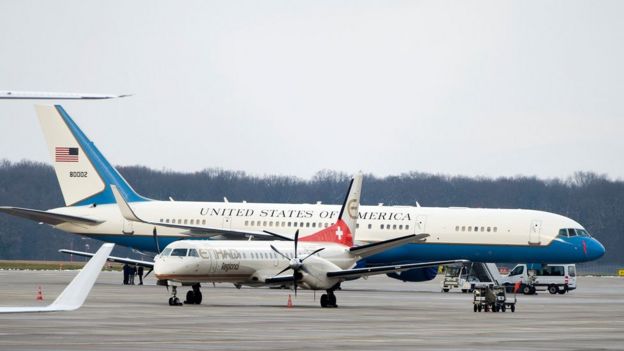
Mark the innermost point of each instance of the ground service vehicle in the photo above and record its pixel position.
(556, 278)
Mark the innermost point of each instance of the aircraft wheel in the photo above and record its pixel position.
(324, 300)
(332, 300)
(553, 289)
(479, 308)
(475, 308)
(513, 308)
(445, 290)
(171, 301)
(198, 297)
(190, 297)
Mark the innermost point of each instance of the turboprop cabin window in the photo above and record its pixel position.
(179, 252)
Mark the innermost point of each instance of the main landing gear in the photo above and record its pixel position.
(329, 299)
(194, 297)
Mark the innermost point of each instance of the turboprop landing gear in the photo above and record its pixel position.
(329, 299)
(173, 300)
(194, 296)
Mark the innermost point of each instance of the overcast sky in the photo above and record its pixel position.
(493, 88)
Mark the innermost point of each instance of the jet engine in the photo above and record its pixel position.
(415, 275)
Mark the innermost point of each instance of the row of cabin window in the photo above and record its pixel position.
(283, 224)
(464, 228)
(183, 221)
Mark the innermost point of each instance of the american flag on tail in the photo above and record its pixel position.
(66, 154)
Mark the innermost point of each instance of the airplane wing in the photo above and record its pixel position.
(41, 95)
(47, 216)
(377, 247)
(77, 291)
(231, 234)
(131, 261)
(361, 272)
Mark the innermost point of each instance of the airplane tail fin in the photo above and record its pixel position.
(84, 174)
(343, 231)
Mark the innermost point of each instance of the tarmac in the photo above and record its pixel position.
(374, 314)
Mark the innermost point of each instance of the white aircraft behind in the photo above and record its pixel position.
(77, 291)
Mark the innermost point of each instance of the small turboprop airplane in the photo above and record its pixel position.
(77, 291)
(320, 261)
(87, 180)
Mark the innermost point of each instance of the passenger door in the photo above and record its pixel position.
(534, 232)
(421, 222)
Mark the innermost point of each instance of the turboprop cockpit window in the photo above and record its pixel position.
(193, 253)
(179, 252)
(582, 232)
(166, 251)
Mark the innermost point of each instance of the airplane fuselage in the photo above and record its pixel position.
(483, 235)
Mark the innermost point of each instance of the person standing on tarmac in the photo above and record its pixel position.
(140, 273)
(126, 274)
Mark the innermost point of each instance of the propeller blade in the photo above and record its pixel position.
(314, 252)
(278, 252)
(295, 280)
(283, 270)
(156, 240)
(296, 241)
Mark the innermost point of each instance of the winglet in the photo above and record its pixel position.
(77, 291)
(124, 208)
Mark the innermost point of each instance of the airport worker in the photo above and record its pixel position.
(140, 272)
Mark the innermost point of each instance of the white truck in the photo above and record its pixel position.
(556, 278)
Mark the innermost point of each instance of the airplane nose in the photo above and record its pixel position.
(594, 249)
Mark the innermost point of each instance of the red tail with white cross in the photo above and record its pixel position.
(343, 231)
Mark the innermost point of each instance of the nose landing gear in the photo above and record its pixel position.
(173, 300)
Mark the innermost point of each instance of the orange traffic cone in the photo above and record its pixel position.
(39, 296)
(290, 304)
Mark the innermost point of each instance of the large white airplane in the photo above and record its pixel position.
(320, 261)
(75, 294)
(86, 179)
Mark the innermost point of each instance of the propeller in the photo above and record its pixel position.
(295, 263)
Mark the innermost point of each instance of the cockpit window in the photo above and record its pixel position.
(179, 252)
(193, 253)
(166, 251)
(569, 232)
